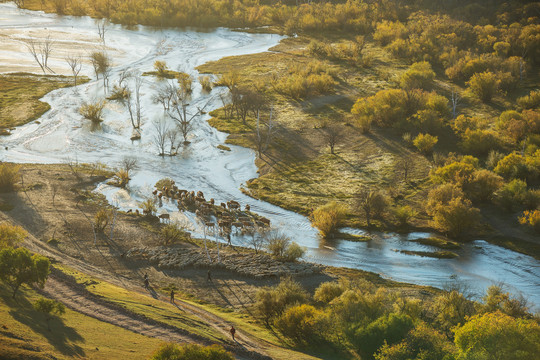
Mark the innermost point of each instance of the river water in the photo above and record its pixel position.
(62, 135)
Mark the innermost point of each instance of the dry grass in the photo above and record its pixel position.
(20, 94)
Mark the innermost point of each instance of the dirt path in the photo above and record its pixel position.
(77, 298)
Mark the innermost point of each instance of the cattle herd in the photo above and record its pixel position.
(228, 217)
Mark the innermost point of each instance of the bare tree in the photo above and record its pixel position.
(41, 52)
(130, 163)
(164, 96)
(102, 64)
(406, 165)
(178, 112)
(75, 64)
(19, 3)
(102, 30)
(138, 109)
(454, 99)
(332, 134)
(372, 203)
(226, 101)
(264, 135)
(172, 137)
(160, 138)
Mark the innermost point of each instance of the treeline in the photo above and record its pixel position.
(293, 16)
(377, 323)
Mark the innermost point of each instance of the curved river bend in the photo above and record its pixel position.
(63, 135)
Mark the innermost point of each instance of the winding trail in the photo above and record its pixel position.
(63, 288)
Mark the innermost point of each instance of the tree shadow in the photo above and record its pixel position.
(61, 336)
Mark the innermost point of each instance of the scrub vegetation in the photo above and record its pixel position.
(387, 115)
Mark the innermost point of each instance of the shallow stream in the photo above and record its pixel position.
(62, 135)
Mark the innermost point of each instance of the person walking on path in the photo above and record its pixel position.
(233, 331)
(146, 282)
(209, 276)
(172, 296)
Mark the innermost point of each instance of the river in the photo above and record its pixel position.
(62, 135)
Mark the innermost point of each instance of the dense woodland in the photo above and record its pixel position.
(469, 102)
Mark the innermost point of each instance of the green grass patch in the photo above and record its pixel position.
(144, 305)
(438, 242)
(20, 94)
(24, 334)
(6, 206)
(352, 237)
(223, 147)
(167, 74)
(432, 254)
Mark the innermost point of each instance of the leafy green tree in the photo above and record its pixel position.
(49, 307)
(18, 266)
(11, 235)
(271, 302)
(497, 336)
(191, 352)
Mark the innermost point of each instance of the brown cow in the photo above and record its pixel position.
(165, 217)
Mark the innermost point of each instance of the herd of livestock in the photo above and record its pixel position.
(227, 216)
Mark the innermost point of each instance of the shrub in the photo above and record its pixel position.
(160, 67)
(425, 143)
(484, 85)
(372, 203)
(493, 158)
(93, 111)
(458, 172)
(271, 302)
(498, 336)
(185, 81)
(191, 352)
(9, 175)
(423, 342)
(452, 309)
(328, 291)
(101, 219)
(457, 217)
(294, 252)
(206, 83)
(512, 166)
(386, 108)
(388, 329)
(483, 185)
(403, 214)
(328, 218)
(11, 235)
(148, 206)
(497, 300)
(122, 178)
(299, 323)
(531, 101)
(463, 123)
(479, 142)
(171, 234)
(511, 194)
(531, 218)
(418, 76)
(49, 307)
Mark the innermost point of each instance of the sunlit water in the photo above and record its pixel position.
(63, 135)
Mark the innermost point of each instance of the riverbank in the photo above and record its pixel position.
(298, 171)
(60, 226)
